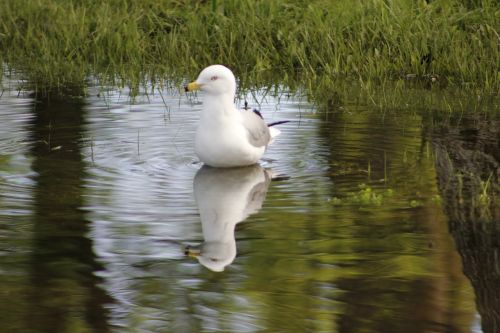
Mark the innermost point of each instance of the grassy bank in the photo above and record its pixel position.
(309, 43)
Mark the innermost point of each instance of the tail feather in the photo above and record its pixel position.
(274, 131)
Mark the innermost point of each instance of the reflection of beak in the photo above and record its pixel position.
(192, 252)
(192, 87)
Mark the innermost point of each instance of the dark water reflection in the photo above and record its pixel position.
(101, 196)
(62, 289)
(468, 170)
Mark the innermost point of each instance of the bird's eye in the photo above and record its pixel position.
(213, 78)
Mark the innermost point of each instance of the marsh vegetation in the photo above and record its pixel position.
(303, 44)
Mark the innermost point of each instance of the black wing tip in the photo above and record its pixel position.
(257, 112)
(280, 178)
(278, 123)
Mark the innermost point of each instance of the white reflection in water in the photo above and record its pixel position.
(224, 198)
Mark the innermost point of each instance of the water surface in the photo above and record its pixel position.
(340, 229)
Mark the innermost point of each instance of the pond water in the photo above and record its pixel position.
(110, 224)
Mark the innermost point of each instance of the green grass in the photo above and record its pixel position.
(304, 44)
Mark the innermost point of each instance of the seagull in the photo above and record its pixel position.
(228, 137)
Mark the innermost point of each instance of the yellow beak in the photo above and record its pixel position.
(192, 252)
(192, 87)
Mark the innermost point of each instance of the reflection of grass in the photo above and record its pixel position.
(311, 44)
(484, 201)
(484, 197)
(436, 199)
(366, 196)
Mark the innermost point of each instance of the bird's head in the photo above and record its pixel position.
(214, 80)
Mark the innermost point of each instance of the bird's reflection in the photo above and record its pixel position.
(224, 198)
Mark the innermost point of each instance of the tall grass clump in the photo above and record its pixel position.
(312, 44)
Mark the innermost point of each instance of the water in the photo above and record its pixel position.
(109, 223)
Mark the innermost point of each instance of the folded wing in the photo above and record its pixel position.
(257, 130)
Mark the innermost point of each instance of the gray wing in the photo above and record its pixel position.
(257, 130)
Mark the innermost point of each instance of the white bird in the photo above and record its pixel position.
(225, 197)
(226, 136)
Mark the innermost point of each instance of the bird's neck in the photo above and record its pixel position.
(219, 103)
